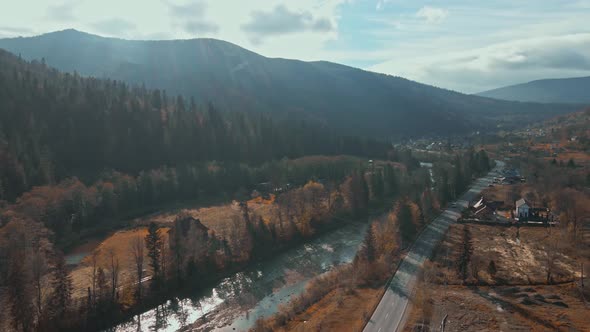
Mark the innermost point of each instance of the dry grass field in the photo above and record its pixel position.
(522, 308)
(520, 255)
(516, 297)
(339, 310)
(218, 218)
(120, 245)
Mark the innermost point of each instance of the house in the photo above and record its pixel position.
(486, 210)
(522, 209)
(479, 204)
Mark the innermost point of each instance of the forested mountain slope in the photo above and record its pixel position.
(344, 98)
(55, 125)
(566, 90)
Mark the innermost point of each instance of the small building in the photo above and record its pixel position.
(522, 209)
(479, 204)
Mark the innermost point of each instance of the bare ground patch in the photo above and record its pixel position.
(519, 255)
(503, 308)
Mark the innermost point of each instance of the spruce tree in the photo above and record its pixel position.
(407, 226)
(154, 242)
(62, 289)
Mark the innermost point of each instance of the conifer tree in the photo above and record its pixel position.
(153, 243)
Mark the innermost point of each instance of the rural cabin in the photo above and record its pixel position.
(525, 212)
(522, 209)
(486, 210)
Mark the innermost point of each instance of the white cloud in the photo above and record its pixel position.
(432, 14)
(181, 19)
(499, 64)
(191, 17)
(282, 21)
(114, 27)
(62, 12)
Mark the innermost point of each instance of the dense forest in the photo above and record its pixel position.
(54, 125)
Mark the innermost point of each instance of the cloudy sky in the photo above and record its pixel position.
(464, 45)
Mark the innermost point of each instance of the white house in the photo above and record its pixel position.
(522, 209)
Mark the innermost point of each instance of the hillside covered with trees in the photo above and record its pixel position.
(343, 98)
(55, 125)
(565, 90)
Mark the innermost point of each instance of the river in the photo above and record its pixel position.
(236, 302)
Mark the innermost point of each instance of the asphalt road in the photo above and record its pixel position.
(390, 313)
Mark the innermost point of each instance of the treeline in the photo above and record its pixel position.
(71, 208)
(55, 125)
(453, 178)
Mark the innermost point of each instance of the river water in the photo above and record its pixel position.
(236, 302)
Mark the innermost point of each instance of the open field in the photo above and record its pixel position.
(339, 310)
(501, 192)
(515, 296)
(505, 308)
(219, 218)
(120, 245)
(520, 255)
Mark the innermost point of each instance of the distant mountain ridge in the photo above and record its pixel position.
(347, 99)
(564, 90)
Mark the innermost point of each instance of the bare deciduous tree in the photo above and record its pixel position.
(137, 253)
(93, 274)
(38, 270)
(114, 271)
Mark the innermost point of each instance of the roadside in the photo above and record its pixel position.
(520, 276)
(344, 299)
(390, 314)
(505, 286)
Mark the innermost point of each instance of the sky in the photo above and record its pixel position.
(463, 45)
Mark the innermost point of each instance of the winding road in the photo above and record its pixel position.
(389, 315)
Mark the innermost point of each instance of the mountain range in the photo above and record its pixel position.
(565, 90)
(347, 99)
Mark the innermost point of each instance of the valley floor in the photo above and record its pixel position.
(515, 296)
(503, 308)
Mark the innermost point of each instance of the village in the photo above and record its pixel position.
(518, 211)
